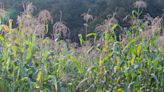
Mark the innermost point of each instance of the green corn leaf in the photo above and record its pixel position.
(130, 43)
(80, 70)
(81, 39)
(2, 38)
(39, 76)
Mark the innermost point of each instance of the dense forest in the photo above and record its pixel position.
(81, 46)
(72, 10)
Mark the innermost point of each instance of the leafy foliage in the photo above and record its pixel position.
(72, 9)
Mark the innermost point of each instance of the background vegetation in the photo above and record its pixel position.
(72, 10)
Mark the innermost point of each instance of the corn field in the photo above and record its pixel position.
(31, 62)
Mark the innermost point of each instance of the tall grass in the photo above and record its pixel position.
(31, 63)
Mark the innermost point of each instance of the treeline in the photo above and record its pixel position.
(72, 10)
